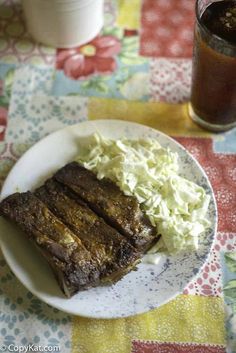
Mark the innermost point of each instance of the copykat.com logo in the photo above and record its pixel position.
(29, 348)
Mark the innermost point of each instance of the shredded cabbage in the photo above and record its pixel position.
(176, 206)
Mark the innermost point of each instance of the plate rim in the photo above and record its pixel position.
(122, 122)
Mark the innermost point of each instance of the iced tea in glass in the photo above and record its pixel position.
(213, 96)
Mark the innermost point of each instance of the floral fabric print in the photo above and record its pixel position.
(6, 82)
(16, 44)
(229, 290)
(112, 74)
(97, 56)
(3, 122)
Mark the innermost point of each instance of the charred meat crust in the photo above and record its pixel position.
(64, 251)
(75, 266)
(89, 232)
(109, 249)
(109, 202)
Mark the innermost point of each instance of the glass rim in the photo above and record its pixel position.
(198, 18)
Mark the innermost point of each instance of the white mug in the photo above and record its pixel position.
(63, 23)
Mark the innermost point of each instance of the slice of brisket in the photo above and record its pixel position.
(108, 201)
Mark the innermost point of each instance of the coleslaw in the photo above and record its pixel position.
(177, 207)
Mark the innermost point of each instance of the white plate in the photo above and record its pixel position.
(139, 291)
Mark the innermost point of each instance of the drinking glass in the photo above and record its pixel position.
(213, 94)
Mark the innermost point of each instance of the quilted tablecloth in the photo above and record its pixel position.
(137, 69)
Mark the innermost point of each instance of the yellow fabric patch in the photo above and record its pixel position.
(172, 119)
(187, 318)
(129, 14)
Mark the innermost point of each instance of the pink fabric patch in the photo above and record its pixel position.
(167, 28)
(208, 281)
(156, 347)
(170, 80)
(221, 171)
(3, 122)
